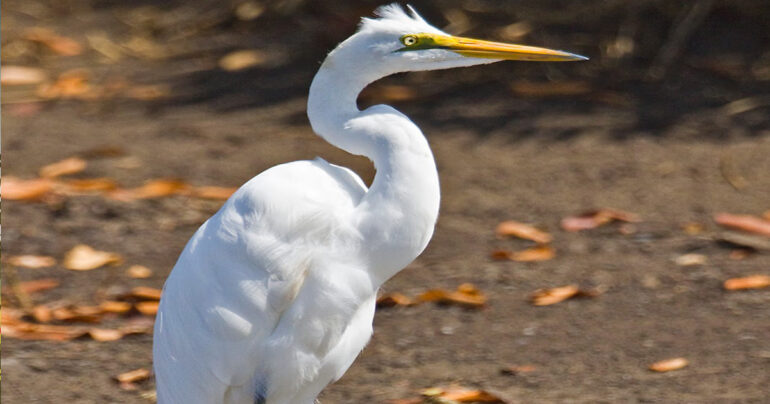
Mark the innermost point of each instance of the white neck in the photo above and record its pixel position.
(398, 213)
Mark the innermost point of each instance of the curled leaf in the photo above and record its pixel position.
(596, 218)
(67, 166)
(522, 230)
(84, 258)
(748, 282)
(546, 297)
(133, 376)
(147, 293)
(748, 223)
(105, 334)
(668, 365)
(32, 261)
(148, 308)
(17, 189)
(112, 306)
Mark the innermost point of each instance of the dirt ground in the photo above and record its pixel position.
(668, 150)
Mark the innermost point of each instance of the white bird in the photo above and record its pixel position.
(273, 297)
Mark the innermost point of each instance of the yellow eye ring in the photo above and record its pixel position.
(409, 40)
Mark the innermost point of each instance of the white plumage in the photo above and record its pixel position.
(273, 297)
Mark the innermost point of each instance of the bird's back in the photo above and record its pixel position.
(241, 272)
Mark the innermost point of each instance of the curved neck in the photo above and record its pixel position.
(398, 213)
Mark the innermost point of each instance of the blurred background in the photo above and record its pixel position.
(126, 124)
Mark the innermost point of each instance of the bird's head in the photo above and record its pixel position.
(400, 40)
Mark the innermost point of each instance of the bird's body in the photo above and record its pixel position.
(273, 297)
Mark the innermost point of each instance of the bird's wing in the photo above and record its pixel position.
(239, 273)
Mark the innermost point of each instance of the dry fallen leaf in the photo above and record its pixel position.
(522, 230)
(466, 295)
(545, 297)
(746, 223)
(394, 299)
(133, 376)
(105, 334)
(38, 285)
(70, 84)
(87, 314)
(596, 218)
(112, 306)
(45, 332)
(539, 253)
(139, 271)
(17, 189)
(241, 59)
(151, 189)
(86, 185)
(32, 261)
(21, 75)
(60, 44)
(42, 313)
(212, 192)
(147, 293)
(84, 258)
(748, 282)
(687, 260)
(462, 395)
(668, 365)
(148, 308)
(67, 166)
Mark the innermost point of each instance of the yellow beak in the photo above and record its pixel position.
(491, 50)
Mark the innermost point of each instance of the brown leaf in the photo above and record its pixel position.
(596, 218)
(84, 258)
(32, 261)
(133, 376)
(524, 88)
(86, 185)
(43, 332)
(60, 44)
(152, 189)
(466, 295)
(105, 334)
(462, 395)
(38, 285)
(539, 253)
(87, 314)
(21, 75)
(17, 189)
(147, 293)
(394, 299)
(112, 306)
(242, 59)
(139, 271)
(212, 192)
(748, 282)
(70, 84)
(747, 223)
(148, 308)
(42, 313)
(668, 365)
(522, 230)
(546, 297)
(67, 166)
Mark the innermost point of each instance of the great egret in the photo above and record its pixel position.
(273, 297)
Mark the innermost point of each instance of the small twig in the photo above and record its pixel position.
(678, 37)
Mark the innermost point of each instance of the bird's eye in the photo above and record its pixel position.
(409, 40)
